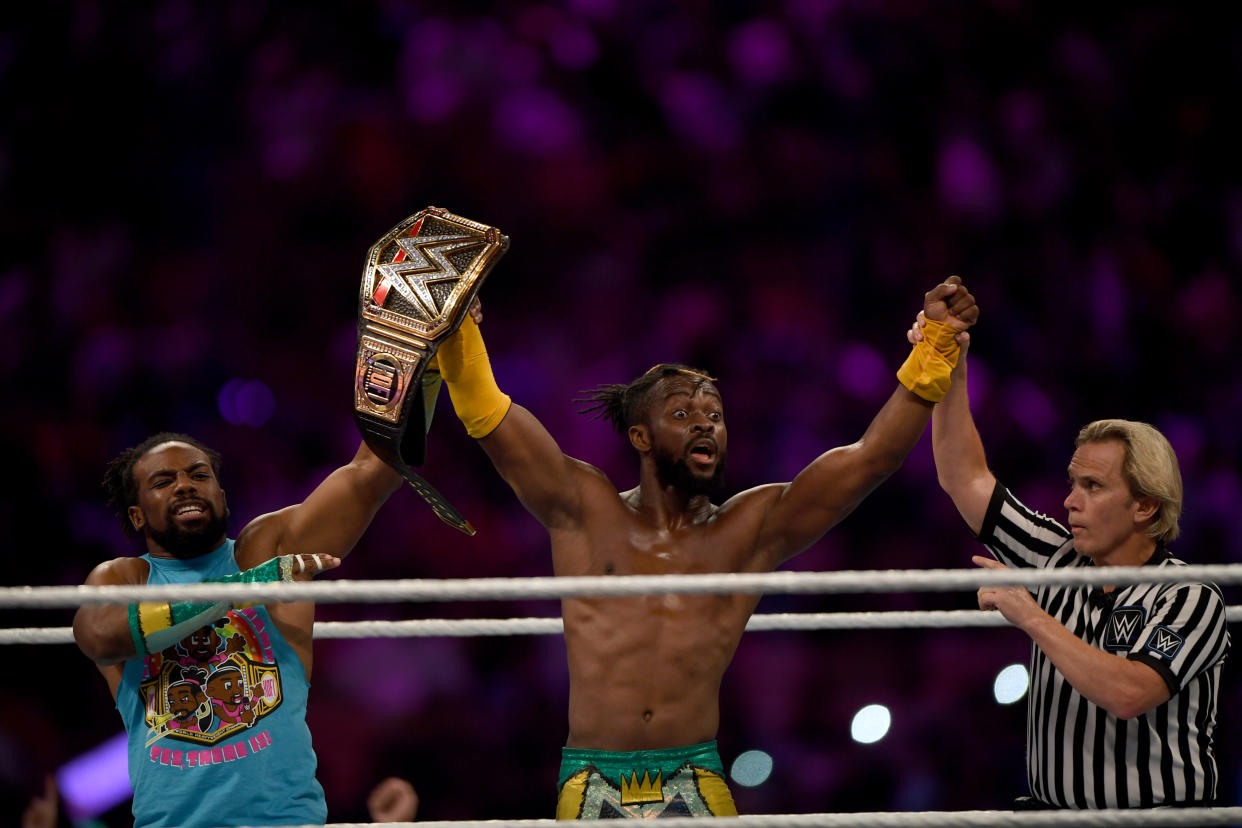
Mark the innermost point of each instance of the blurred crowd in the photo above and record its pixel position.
(187, 193)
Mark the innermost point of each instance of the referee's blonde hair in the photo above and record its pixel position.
(1149, 468)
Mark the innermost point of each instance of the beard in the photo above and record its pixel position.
(190, 543)
(677, 473)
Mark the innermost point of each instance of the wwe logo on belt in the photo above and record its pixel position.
(425, 261)
(1164, 642)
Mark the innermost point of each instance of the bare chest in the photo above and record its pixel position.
(621, 549)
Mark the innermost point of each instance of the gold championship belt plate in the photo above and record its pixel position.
(418, 283)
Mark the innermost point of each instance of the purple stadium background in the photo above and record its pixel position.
(187, 192)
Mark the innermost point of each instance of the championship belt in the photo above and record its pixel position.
(417, 287)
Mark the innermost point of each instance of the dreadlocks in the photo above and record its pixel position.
(118, 481)
(624, 405)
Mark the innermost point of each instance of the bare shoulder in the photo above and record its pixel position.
(755, 500)
(129, 570)
(591, 481)
(586, 471)
(743, 518)
(259, 541)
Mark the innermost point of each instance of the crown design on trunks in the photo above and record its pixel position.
(634, 792)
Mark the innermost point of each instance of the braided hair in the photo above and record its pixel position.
(624, 405)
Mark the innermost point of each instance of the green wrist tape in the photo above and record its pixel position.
(156, 626)
(135, 631)
(264, 573)
(279, 568)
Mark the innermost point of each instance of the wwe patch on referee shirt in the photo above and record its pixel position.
(1164, 643)
(1123, 629)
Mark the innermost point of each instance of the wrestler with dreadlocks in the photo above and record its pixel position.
(645, 672)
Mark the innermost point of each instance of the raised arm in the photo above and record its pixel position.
(836, 482)
(961, 466)
(546, 481)
(329, 521)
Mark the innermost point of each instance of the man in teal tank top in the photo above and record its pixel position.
(213, 696)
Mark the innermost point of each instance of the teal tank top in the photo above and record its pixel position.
(217, 723)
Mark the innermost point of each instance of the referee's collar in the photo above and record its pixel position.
(1157, 557)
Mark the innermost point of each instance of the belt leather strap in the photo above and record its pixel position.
(418, 283)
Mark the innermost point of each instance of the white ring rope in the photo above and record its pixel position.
(891, 819)
(472, 627)
(487, 589)
(789, 582)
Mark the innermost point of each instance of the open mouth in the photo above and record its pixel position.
(703, 451)
(190, 508)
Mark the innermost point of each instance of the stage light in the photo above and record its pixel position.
(871, 724)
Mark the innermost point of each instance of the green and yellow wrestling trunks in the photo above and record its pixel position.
(643, 784)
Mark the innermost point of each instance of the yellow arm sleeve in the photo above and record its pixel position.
(926, 371)
(467, 373)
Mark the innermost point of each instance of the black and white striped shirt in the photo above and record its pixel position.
(1078, 754)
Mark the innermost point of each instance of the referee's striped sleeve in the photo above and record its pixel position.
(1021, 537)
(1185, 635)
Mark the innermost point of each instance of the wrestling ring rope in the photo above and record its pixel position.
(786, 582)
(581, 586)
(466, 589)
(473, 627)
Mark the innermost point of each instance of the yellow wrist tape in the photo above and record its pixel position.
(467, 372)
(154, 617)
(155, 626)
(926, 371)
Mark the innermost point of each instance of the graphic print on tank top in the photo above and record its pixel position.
(214, 683)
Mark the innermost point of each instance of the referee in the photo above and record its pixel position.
(1124, 680)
